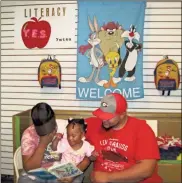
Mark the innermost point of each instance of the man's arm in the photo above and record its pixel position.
(146, 156)
(142, 170)
(136, 173)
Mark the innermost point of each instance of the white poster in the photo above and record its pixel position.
(45, 26)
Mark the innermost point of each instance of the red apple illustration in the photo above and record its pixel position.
(36, 33)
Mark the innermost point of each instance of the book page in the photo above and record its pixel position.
(65, 170)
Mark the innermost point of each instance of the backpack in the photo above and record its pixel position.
(166, 75)
(49, 72)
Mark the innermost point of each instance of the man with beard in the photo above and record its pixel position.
(127, 149)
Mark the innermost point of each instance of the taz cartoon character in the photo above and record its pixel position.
(110, 36)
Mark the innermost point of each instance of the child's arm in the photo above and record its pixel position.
(91, 153)
(56, 140)
(94, 155)
(54, 144)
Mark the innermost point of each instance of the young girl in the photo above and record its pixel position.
(74, 148)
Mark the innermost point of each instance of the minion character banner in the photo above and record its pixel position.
(110, 57)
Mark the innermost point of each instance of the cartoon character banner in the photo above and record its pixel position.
(110, 55)
(45, 26)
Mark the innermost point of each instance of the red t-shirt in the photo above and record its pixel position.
(120, 149)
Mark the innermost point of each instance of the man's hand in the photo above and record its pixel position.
(66, 180)
(100, 177)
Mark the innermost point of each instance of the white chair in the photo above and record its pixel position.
(17, 159)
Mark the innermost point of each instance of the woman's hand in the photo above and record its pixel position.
(66, 180)
(45, 140)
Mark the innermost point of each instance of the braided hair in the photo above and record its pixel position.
(80, 122)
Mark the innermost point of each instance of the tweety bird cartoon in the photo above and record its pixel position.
(112, 59)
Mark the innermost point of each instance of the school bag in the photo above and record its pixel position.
(49, 72)
(166, 75)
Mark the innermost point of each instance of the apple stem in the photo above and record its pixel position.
(34, 19)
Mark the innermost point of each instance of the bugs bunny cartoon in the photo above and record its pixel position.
(94, 54)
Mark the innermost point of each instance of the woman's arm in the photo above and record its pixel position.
(34, 161)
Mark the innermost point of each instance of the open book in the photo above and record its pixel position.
(56, 171)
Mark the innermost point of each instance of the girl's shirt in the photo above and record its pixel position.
(71, 155)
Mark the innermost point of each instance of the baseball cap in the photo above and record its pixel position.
(43, 118)
(46, 128)
(111, 105)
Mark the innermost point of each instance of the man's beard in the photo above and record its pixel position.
(107, 129)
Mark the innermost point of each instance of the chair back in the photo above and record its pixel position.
(18, 162)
